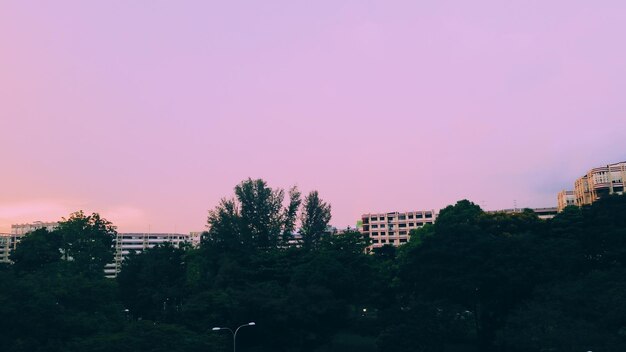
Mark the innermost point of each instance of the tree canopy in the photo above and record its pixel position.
(255, 219)
(315, 218)
(473, 281)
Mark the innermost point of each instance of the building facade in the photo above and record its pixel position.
(125, 243)
(600, 182)
(7, 244)
(393, 228)
(22, 229)
(8, 241)
(564, 199)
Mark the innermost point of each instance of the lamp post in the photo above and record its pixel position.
(234, 332)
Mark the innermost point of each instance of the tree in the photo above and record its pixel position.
(473, 281)
(152, 284)
(350, 243)
(224, 224)
(315, 217)
(45, 309)
(255, 219)
(473, 262)
(582, 314)
(87, 242)
(84, 243)
(36, 250)
(291, 214)
(261, 212)
(458, 218)
(148, 336)
(417, 236)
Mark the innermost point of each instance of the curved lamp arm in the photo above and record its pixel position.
(234, 333)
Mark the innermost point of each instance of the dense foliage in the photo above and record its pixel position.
(473, 281)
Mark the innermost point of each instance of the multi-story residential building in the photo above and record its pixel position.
(564, 199)
(600, 182)
(8, 241)
(393, 228)
(125, 243)
(7, 244)
(22, 229)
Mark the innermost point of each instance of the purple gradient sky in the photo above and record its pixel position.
(150, 111)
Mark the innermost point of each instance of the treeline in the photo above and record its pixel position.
(473, 281)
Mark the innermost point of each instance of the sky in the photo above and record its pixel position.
(149, 112)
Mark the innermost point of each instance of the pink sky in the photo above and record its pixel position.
(150, 111)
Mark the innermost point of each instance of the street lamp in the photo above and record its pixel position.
(234, 332)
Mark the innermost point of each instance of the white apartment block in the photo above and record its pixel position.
(393, 228)
(22, 229)
(8, 241)
(125, 243)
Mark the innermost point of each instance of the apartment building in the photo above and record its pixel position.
(564, 199)
(22, 229)
(393, 228)
(600, 182)
(125, 243)
(7, 244)
(8, 241)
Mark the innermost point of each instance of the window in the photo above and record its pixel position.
(429, 215)
(402, 217)
(382, 226)
(402, 225)
(374, 226)
(411, 224)
(374, 218)
(410, 216)
(403, 233)
(418, 216)
(390, 218)
(374, 233)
